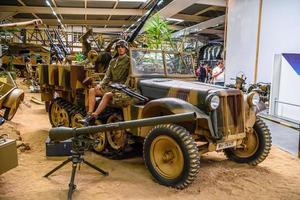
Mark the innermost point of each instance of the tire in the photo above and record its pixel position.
(261, 141)
(58, 116)
(171, 156)
(10, 112)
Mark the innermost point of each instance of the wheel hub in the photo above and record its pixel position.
(250, 144)
(167, 157)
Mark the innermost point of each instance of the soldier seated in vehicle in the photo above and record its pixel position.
(117, 72)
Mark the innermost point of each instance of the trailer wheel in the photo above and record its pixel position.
(257, 146)
(171, 155)
(10, 112)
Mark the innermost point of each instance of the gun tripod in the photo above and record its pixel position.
(76, 158)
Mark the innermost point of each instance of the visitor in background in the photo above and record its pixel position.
(202, 75)
(208, 74)
(218, 75)
(197, 71)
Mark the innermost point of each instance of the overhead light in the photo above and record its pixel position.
(159, 3)
(47, 2)
(174, 19)
(147, 12)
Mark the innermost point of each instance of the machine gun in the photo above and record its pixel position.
(54, 47)
(81, 140)
(135, 33)
(129, 92)
(65, 49)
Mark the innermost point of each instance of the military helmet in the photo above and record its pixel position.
(92, 56)
(121, 43)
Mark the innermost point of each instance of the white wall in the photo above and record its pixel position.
(241, 38)
(280, 33)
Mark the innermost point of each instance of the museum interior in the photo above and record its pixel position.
(149, 99)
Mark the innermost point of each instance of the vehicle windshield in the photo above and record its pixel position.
(147, 62)
(155, 62)
(179, 64)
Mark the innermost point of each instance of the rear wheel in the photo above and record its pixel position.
(171, 155)
(58, 116)
(116, 139)
(255, 147)
(100, 137)
(75, 118)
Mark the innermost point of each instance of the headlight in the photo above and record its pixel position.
(253, 99)
(213, 101)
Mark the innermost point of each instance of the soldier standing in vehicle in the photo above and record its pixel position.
(117, 72)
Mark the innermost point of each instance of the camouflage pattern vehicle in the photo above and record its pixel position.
(225, 119)
(17, 53)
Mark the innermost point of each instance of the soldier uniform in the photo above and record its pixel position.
(117, 72)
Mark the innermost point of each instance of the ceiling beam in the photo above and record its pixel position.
(24, 6)
(107, 30)
(83, 22)
(72, 11)
(6, 15)
(116, 4)
(199, 27)
(192, 18)
(85, 6)
(175, 7)
(221, 3)
(55, 5)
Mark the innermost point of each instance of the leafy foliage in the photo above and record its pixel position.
(157, 32)
(79, 57)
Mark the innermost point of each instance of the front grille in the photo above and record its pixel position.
(230, 114)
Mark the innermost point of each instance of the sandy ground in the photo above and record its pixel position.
(278, 177)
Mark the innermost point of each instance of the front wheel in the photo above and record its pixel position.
(255, 147)
(171, 155)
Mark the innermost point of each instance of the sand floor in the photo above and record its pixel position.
(278, 177)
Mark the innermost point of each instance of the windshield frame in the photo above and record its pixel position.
(165, 73)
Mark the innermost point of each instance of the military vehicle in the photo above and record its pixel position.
(18, 52)
(10, 96)
(225, 119)
(15, 54)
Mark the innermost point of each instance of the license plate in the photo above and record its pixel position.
(227, 144)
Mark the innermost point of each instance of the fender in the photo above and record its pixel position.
(12, 97)
(169, 105)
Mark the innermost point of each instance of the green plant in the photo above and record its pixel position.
(79, 57)
(158, 32)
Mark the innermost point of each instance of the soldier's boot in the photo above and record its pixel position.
(88, 120)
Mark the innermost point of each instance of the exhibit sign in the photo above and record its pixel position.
(284, 95)
(294, 60)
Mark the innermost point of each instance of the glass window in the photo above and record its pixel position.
(179, 64)
(147, 62)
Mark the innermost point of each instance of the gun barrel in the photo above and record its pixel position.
(140, 26)
(137, 123)
(63, 133)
